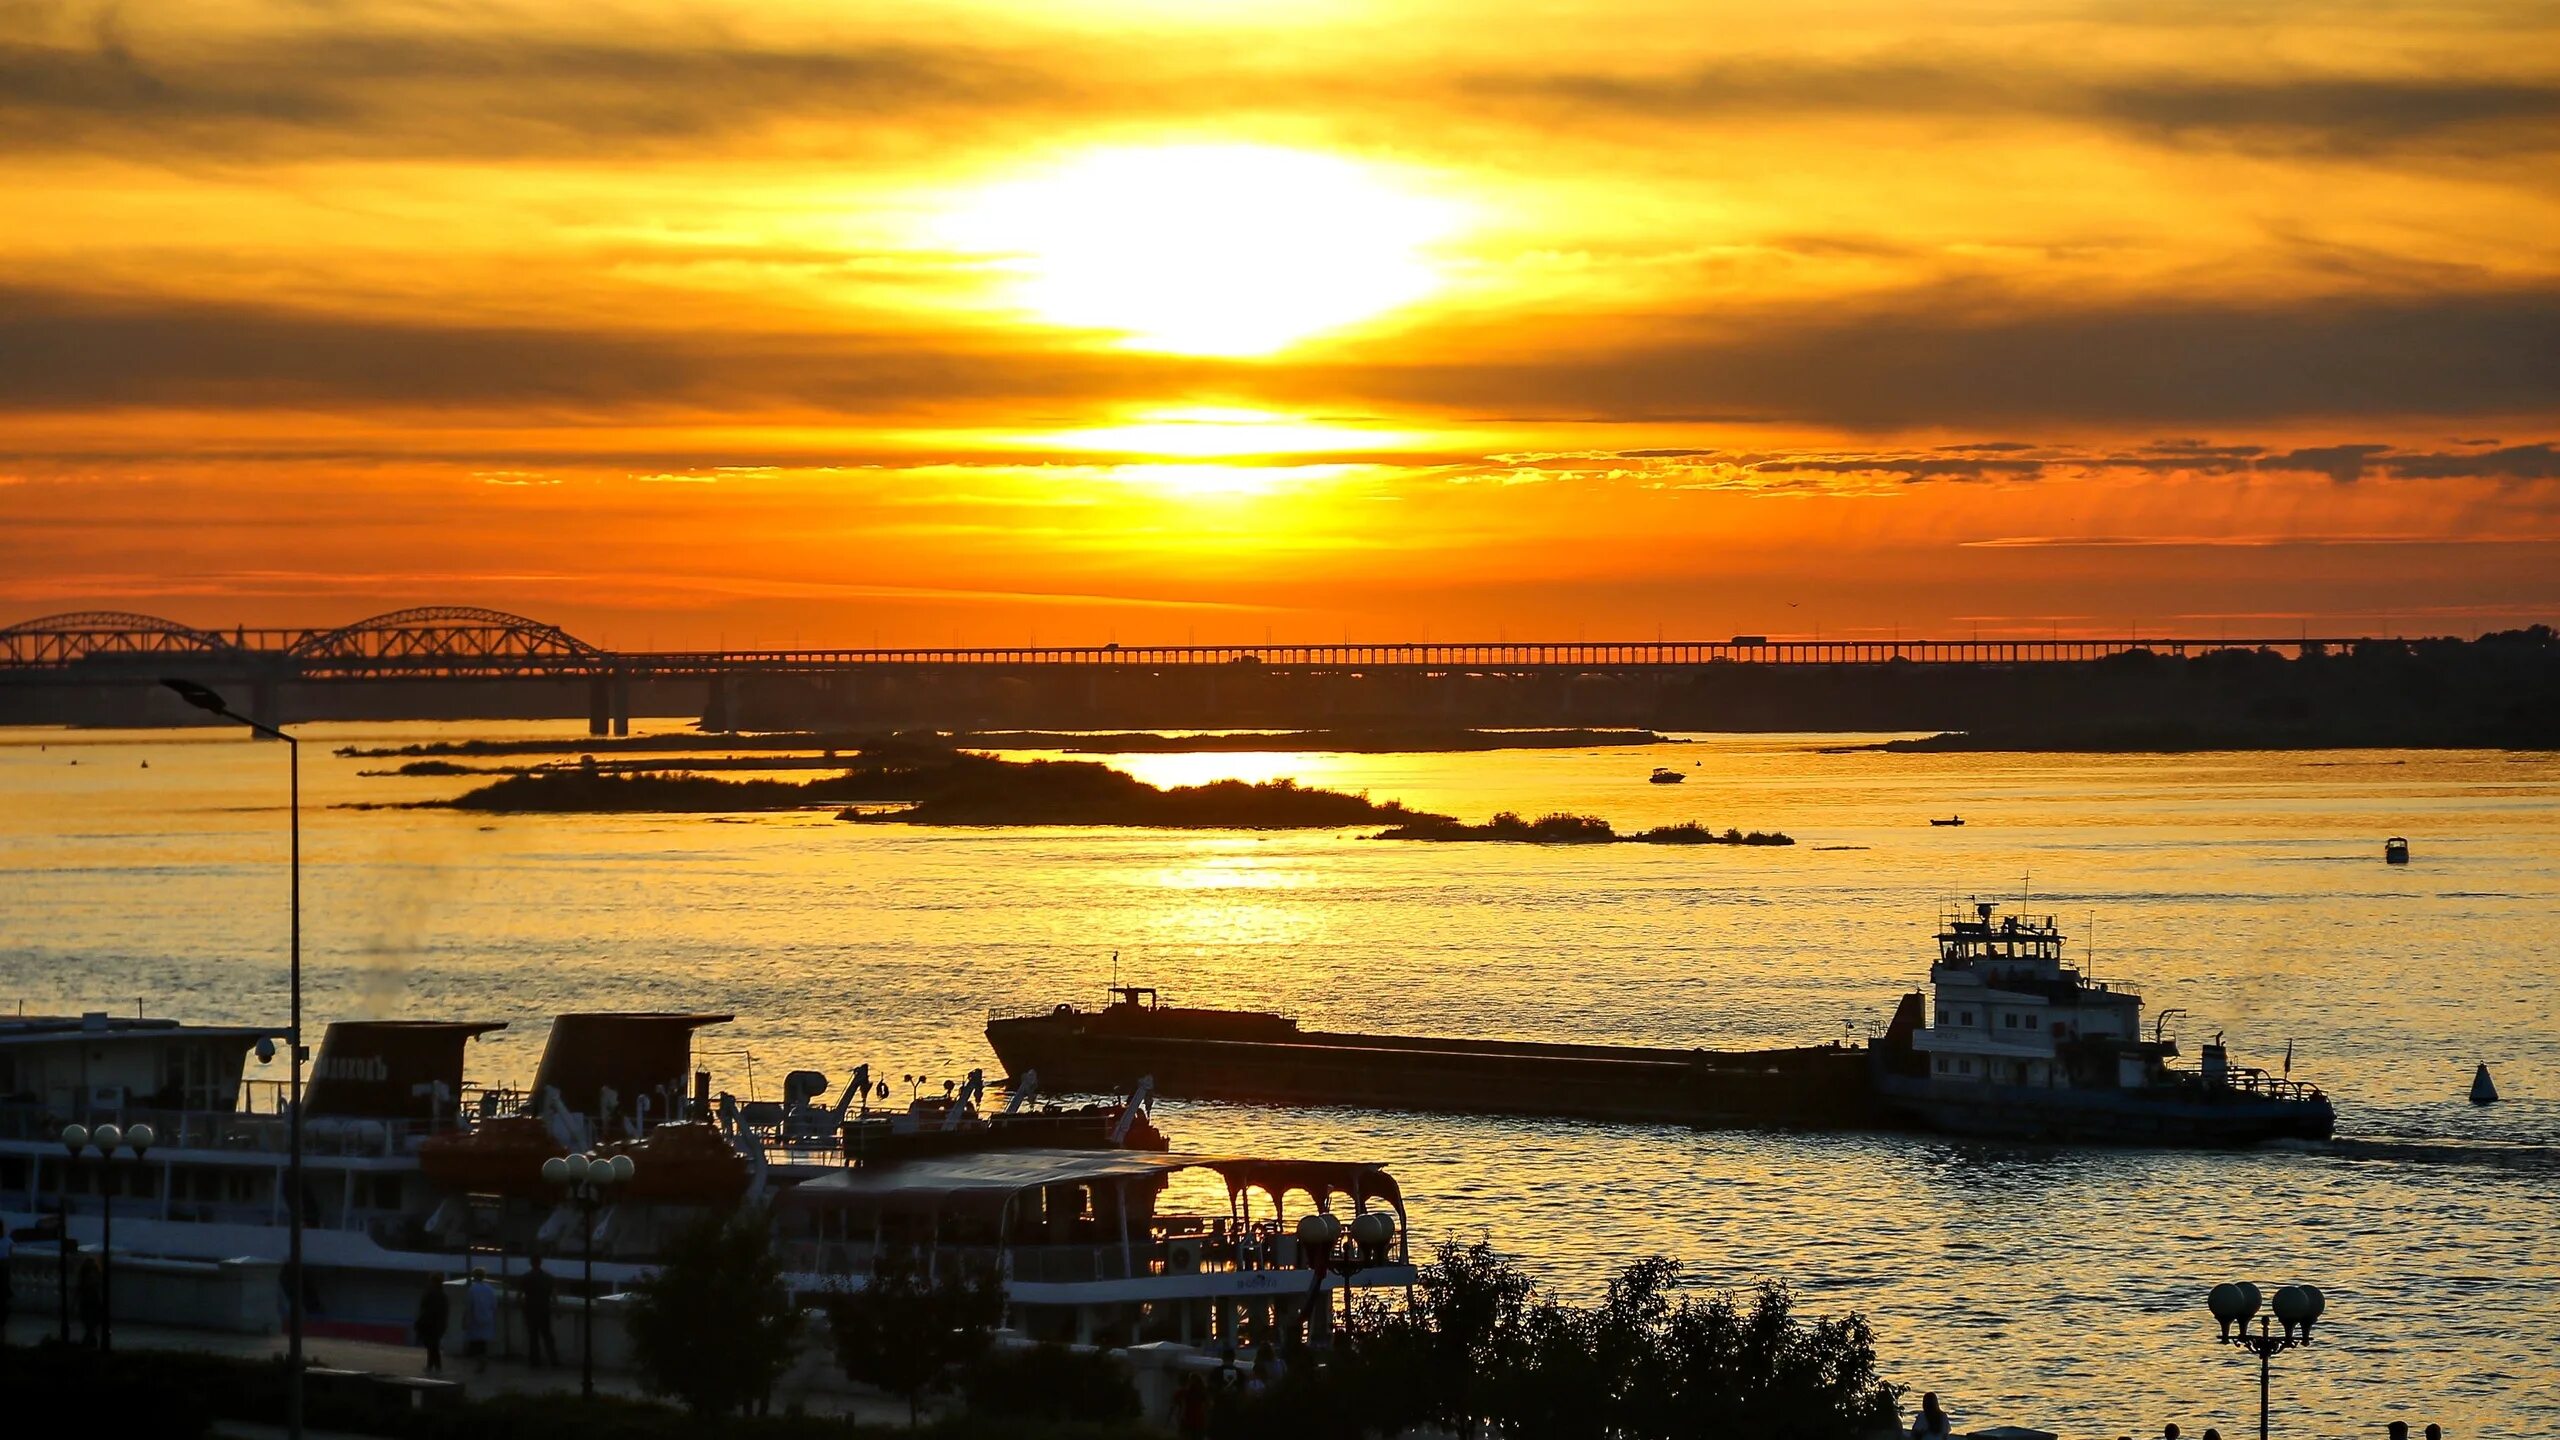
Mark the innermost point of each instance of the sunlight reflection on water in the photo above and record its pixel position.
(2036, 1286)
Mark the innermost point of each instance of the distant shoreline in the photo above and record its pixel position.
(1348, 741)
(2172, 739)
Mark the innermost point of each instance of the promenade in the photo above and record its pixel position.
(503, 1376)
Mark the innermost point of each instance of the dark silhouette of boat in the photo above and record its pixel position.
(1950, 820)
(1665, 775)
(2023, 1047)
(1259, 1056)
(2395, 851)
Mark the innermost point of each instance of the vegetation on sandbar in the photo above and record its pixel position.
(1566, 829)
(907, 785)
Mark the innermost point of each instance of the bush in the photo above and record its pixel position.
(1480, 1348)
(907, 1328)
(1049, 1382)
(714, 1326)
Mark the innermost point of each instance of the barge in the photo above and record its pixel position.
(2022, 1046)
(1259, 1056)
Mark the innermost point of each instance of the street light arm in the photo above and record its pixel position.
(211, 702)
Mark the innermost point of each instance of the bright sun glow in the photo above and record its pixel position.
(1204, 431)
(1207, 249)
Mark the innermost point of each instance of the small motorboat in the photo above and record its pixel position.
(2395, 851)
(1665, 775)
(1950, 820)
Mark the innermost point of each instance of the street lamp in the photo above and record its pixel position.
(106, 1140)
(1320, 1245)
(2296, 1307)
(587, 1178)
(211, 703)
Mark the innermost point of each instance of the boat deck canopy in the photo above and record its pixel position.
(999, 1175)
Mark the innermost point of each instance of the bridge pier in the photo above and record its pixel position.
(599, 705)
(715, 706)
(621, 697)
(263, 706)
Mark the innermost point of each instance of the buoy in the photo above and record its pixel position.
(2482, 1091)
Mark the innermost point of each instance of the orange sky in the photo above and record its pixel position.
(1232, 318)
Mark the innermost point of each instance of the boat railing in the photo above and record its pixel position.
(231, 1130)
(2260, 1084)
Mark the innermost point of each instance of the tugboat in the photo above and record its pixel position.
(2025, 1047)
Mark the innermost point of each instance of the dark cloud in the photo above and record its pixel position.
(351, 91)
(361, 85)
(2344, 463)
(2339, 114)
(62, 351)
(1966, 357)
(1942, 358)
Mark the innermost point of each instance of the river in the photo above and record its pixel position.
(2054, 1287)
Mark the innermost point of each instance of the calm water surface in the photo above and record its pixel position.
(2054, 1287)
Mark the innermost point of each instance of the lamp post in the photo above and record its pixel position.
(1319, 1245)
(587, 1178)
(106, 1140)
(212, 703)
(2296, 1307)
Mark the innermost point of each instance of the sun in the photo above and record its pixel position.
(1232, 250)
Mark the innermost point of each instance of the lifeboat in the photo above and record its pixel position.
(686, 1163)
(501, 1156)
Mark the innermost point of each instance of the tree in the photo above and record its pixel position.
(1480, 1347)
(715, 1326)
(911, 1326)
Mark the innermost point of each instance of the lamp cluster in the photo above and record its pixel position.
(108, 1139)
(592, 1172)
(2297, 1307)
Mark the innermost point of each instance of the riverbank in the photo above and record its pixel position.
(1364, 740)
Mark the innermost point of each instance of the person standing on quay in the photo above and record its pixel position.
(435, 1311)
(540, 1347)
(8, 1281)
(479, 1320)
(90, 1294)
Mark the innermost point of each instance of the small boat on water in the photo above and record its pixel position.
(2395, 851)
(1665, 775)
(1950, 820)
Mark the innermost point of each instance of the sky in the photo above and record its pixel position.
(1224, 320)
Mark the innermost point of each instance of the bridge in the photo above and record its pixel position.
(454, 643)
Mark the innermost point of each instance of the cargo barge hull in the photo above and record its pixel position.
(1812, 1087)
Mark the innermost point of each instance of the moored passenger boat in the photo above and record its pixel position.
(1086, 1252)
(411, 1169)
(2024, 1046)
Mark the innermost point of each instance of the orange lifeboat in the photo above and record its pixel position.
(687, 1163)
(501, 1156)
